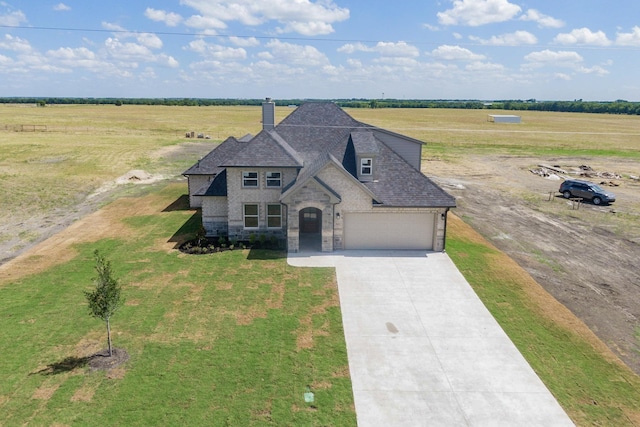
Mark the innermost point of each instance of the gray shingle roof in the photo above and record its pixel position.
(317, 133)
(364, 142)
(210, 164)
(267, 149)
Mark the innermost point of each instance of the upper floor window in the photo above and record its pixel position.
(366, 166)
(250, 179)
(274, 180)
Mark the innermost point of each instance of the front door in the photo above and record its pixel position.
(310, 220)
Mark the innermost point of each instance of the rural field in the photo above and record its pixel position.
(235, 338)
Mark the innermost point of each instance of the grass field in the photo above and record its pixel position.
(234, 338)
(86, 145)
(230, 339)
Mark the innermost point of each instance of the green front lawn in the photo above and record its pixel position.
(231, 338)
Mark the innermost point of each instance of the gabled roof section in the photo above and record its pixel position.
(317, 127)
(211, 163)
(218, 186)
(310, 172)
(399, 184)
(267, 149)
(364, 142)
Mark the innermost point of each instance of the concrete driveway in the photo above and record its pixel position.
(424, 351)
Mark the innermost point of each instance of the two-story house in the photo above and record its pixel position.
(322, 177)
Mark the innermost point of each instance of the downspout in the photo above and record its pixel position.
(444, 237)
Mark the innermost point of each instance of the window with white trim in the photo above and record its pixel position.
(250, 215)
(366, 166)
(250, 179)
(274, 216)
(274, 180)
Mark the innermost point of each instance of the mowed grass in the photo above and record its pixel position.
(232, 338)
(590, 383)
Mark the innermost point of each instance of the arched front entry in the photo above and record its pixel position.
(310, 226)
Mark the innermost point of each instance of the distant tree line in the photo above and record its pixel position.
(619, 106)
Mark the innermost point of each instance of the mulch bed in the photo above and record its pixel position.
(102, 360)
(210, 245)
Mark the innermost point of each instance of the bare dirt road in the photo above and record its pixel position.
(586, 256)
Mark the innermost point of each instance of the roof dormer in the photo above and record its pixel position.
(366, 150)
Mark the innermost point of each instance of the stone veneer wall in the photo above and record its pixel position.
(237, 196)
(214, 215)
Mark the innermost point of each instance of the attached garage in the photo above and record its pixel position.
(389, 230)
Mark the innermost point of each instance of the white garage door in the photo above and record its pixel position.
(406, 230)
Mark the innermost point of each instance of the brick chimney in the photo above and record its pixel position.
(268, 114)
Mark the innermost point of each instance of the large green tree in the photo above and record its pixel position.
(106, 298)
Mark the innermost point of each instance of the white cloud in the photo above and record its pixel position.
(399, 49)
(388, 49)
(629, 39)
(5, 61)
(149, 40)
(13, 19)
(301, 16)
(542, 19)
(215, 51)
(354, 47)
(596, 69)
(431, 27)
(169, 18)
(244, 41)
(15, 44)
(208, 24)
(67, 53)
(553, 58)
(130, 54)
(455, 53)
(111, 26)
(167, 60)
(517, 38)
(478, 12)
(484, 67)
(398, 62)
(290, 53)
(583, 36)
(61, 7)
(562, 76)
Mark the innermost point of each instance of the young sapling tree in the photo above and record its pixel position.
(106, 298)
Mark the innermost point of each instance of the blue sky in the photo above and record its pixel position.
(447, 49)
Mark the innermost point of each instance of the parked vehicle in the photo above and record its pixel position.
(586, 190)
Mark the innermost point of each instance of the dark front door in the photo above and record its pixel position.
(310, 220)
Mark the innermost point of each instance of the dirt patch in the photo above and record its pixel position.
(306, 332)
(584, 255)
(83, 394)
(45, 391)
(58, 249)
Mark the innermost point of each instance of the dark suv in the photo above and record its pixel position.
(586, 190)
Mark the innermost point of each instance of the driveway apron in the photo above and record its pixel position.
(424, 351)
